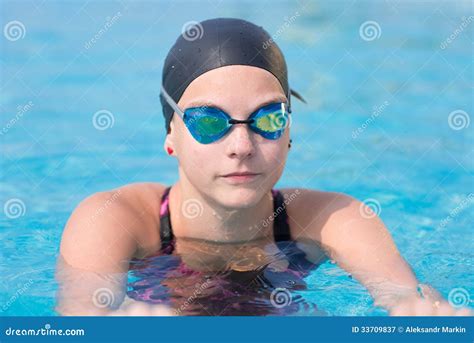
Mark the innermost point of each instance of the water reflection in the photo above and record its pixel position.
(208, 279)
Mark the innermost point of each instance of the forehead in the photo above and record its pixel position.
(231, 87)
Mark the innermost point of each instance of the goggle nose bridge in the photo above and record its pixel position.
(236, 121)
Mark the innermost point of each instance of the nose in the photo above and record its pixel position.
(240, 142)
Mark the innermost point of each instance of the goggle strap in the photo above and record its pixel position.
(292, 92)
(288, 103)
(175, 107)
(297, 96)
(171, 102)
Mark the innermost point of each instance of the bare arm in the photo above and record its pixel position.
(97, 244)
(359, 242)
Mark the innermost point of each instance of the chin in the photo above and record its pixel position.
(236, 197)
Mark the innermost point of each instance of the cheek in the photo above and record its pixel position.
(274, 157)
(188, 149)
(197, 160)
(196, 157)
(278, 149)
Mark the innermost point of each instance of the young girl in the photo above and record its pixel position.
(222, 227)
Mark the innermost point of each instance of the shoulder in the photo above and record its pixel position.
(313, 213)
(126, 217)
(136, 199)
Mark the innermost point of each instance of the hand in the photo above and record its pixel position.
(417, 306)
(139, 308)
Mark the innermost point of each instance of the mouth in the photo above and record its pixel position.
(240, 177)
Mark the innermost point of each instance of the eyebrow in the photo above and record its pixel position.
(202, 103)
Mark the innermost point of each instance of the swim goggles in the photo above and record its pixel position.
(209, 124)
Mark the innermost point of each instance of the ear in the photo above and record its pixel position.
(169, 141)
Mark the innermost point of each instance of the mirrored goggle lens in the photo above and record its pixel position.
(271, 119)
(206, 125)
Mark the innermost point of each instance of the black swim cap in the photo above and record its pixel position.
(215, 43)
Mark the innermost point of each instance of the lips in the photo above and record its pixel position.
(240, 177)
(240, 174)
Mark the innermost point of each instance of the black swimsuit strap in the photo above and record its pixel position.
(166, 231)
(281, 228)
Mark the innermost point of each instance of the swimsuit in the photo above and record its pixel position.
(235, 291)
(281, 233)
(281, 230)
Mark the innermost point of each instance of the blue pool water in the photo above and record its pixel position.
(377, 125)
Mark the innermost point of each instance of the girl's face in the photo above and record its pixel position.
(239, 91)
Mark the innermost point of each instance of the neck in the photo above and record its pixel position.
(194, 215)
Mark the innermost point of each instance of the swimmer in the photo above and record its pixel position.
(227, 104)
